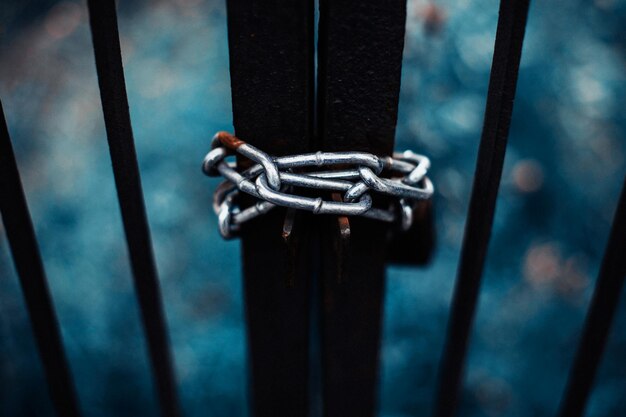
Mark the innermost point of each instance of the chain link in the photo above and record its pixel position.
(272, 181)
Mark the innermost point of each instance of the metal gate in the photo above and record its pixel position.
(272, 67)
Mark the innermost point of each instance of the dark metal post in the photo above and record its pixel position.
(599, 318)
(360, 59)
(25, 251)
(500, 96)
(106, 43)
(272, 80)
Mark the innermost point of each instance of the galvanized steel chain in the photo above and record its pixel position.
(272, 181)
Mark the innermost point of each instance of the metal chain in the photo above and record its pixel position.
(272, 181)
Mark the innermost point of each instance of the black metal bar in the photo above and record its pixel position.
(360, 59)
(599, 317)
(103, 22)
(500, 96)
(27, 259)
(271, 48)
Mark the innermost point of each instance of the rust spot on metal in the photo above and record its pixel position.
(344, 227)
(288, 224)
(229, 140)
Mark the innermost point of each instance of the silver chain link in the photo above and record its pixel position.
(272, 181)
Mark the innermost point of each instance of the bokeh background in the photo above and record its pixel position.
(564, 168)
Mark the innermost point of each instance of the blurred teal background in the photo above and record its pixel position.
(564, 168)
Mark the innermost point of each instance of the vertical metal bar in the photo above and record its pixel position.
(103, 22)
(599, 317)
(500, 96)
(271, 48)
(25, 251)
(360, 59)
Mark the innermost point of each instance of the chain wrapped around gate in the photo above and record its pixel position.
(272, 181)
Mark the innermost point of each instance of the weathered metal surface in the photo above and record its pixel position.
(25, 250)
(500, 95)
(106, 43)
(360, 58)
(272, 81)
